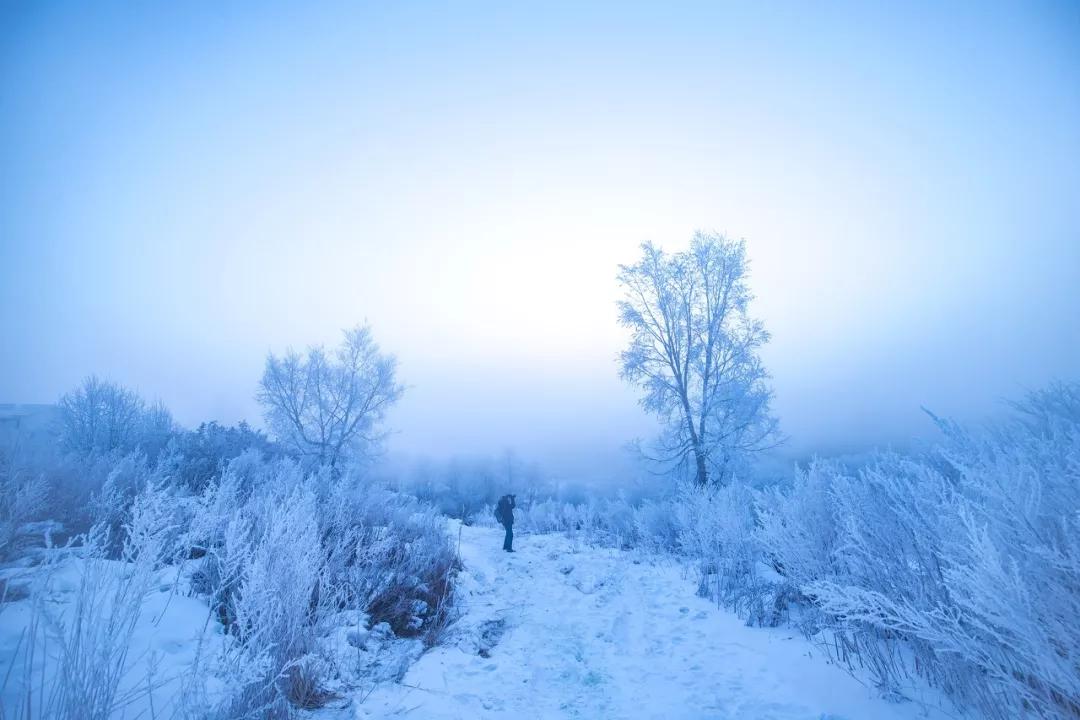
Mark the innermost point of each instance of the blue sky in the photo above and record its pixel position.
(185, 187)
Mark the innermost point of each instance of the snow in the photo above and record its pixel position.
(561, 631)
(556, 630)
(169, 631)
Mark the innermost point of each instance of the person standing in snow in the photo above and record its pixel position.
(504, 513)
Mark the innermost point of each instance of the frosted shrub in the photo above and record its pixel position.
(99, 489)
(201, 454)
(580, 520)
(391, 558)
(962, 566)
(551, 516)
(797, 532)
(1012, 561)
(656, 527)
(285, 552)
(271, 603)
(23, 494)
(71, 663)
(258, 531)
(608, 522)
(716, 530)
(615, 519)
(413, 563)
(890, 539)
(127, 478)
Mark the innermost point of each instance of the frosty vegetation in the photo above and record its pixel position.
(309, 575)
(325, 408)
(694, 354)
(313, 577)
(958, 565)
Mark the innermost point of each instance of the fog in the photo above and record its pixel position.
(183, 190)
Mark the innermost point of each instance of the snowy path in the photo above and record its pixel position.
(551, 633)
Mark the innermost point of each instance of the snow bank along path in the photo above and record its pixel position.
(558, 631)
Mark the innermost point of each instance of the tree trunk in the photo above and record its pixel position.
(702, 472)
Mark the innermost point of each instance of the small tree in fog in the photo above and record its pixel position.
(694, 353)
(326, 406)
(100, 416)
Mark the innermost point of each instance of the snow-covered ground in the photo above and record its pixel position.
(168, 632)
(556, 630)
(562, 631)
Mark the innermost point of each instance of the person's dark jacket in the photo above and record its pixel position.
(504, 511)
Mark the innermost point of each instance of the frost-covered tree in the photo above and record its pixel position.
(694, 353)
(327, 406)
(100, 416)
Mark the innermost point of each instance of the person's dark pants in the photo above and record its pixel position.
(508, 543)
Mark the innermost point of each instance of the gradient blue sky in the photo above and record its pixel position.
(185, 186)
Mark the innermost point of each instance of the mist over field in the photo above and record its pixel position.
(185, 189)
(749, 331)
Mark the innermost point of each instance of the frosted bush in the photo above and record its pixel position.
(271, 603)
(656, 527)
(716, 530)
(393, 558)
(962, 565)
(23, 495)
(71, 662)
(797, 526)
(605, 522)
(286, 552)
(257, 530)
(615, 519)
